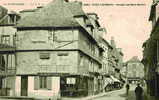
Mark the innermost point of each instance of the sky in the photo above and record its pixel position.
(125, 20)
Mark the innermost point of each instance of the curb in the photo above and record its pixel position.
(100, 95)
(92, 97)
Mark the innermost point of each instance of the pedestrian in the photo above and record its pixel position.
(127, 88)
(139, 92)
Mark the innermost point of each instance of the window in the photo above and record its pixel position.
(63, 59)
(5, 39)
(81, 60)
(2, 63)
(71, 81)
(44, 55)
(43, 82)
(62, 54)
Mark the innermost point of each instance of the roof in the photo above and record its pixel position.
(104, 40)
(6, 17)
(3, 11)
(133, 59)
(58, 13)
(76, 8)
(152, 12)
(28, 10)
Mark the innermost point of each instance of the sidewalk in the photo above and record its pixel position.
(90, 97)
(131, 96)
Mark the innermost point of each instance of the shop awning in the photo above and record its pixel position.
(109, 80)
(114, 79)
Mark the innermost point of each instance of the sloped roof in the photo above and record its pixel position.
(133, 59)
(58, 13)
(76, 8)
(3, 11)
(3, 16)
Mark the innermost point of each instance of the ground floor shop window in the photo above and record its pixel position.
(42, 82)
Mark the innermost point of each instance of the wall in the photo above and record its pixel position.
(87, 45)
(47, 39)
(30, 62)
(44, 93)
(8, 30)
(18, 86)
(105, 66)
(7, 63)
(38, 93)
(135, 69)
(157, 11)
(87, 65)
(123, 71)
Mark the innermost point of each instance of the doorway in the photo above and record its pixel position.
(24, 85)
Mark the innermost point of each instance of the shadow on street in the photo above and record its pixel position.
(131, 96)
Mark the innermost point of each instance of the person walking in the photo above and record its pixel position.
(139, 92)
(127, 88)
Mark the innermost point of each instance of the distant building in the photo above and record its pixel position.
(116, 58)
(135, 69)
(105, 56)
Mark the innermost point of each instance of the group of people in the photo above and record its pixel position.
(138, 91)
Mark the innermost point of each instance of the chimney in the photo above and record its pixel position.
(120, 49)
(112, 42)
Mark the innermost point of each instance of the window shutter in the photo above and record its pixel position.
(36, 82)
(49, 83)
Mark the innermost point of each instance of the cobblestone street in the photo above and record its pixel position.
(119, 95)
(112, 95)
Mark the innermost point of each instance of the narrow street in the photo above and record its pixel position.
(119, 95)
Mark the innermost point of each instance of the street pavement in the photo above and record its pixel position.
(119, 95)
(113, 95)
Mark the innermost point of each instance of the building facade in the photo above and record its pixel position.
(134, 70)
(112, 61)
(58, 53)
(150, 54)
(7, 51)
(49, 54)
(116, 58)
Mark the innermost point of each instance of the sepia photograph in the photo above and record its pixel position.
(79, 50)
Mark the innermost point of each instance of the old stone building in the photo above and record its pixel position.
(150, 54)
(112, 61)
(116, 58)
(7, 51)
(134, 70)
(58, 53)
(106, 69)
(44, 53)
